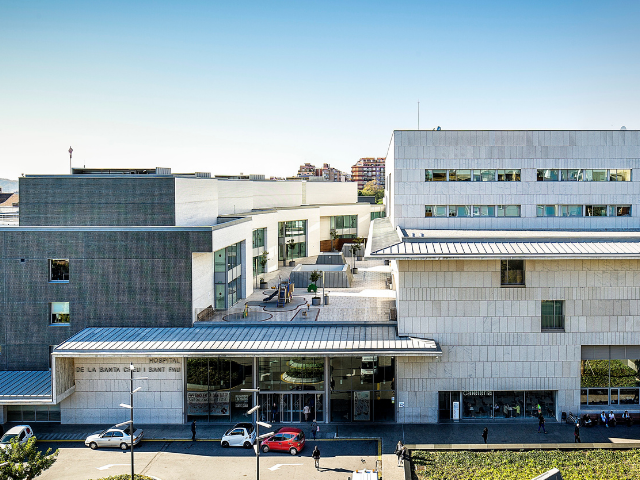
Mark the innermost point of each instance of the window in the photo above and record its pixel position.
(596, 210)
(484, 211)
(547, 211)
(512, 272)
(619, 210)
(459, 175)
(595, 175)
(547, 175)
(59, 270)
(435, 175)
(345, 226)
(618, 175)
(258, 237)
(570, 175)
(435, 211)
(59, 313)
(459, 211)
(570, 210)
(375, 215)
(508, 210)
(484, 175)
(552, 315)
(508, 175)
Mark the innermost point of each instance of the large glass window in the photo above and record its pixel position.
(214, 388)
(259, 237)
(512, 272)
(548, 175)
(375, 215)
(295, 230)
(435, 175)
(609, 382)
(484, 211)
(508, 175)
(459, 175)
(570, 175)
(570, 210)
(345, 226)
(484, 175)
(59, 270)
(619, 210)
(620, 175)
(227, 277)
(508, 210)
(547, 211)
(291, 373)
(60, 313)
(459, 210)
(596, 210)
(552, 315)
(435, 211)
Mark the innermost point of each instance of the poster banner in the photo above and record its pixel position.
(197, 403)
(362, 406)
(219, 403)
(241, 401)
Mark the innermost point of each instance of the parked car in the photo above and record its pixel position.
(288, 439)
(21, 432)
(113, 437)
(240, 435)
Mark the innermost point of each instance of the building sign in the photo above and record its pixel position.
(456, 411)
(478, 393)
(156, 365)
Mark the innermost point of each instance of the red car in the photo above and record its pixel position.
(288, 439)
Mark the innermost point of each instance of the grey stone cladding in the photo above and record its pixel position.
(118, 277)
(75, 200)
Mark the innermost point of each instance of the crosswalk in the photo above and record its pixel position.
(63, 436)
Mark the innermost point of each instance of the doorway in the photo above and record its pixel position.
(289, 407)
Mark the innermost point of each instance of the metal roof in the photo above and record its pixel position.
(25, 385)
(450, 244)
(249, 339)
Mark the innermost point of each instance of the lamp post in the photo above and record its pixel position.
(130, 407)
(255, 410)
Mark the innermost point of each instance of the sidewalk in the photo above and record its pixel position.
(463, 434)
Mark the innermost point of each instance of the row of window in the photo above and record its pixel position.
(582, 175)
(583, 211)
(458, 175)
(472, 210)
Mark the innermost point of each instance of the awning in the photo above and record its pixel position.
(25, 387)
(249, 339)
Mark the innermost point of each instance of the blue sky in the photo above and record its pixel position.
(260, 87)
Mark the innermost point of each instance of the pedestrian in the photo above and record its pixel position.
(399, 452)
(306, 410)
(627, 418)
(314, 429)
(274, 412)
(604, 419)
(576, 434)
(193, 431)
(485, 434)
(316, 456)
(541, 423)
(612, 419)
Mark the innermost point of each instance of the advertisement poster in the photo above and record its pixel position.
(242, 401)
(197, 403)
(362, 406)
(219, 403)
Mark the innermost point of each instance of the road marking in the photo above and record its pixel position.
(278, 465)
(105, 467)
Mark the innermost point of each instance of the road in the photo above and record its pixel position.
(185, 460)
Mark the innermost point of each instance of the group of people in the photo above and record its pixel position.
(607, 419)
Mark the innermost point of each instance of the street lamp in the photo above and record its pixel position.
(130, 407)
(258, 424)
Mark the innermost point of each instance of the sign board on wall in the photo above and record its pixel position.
(456, 411)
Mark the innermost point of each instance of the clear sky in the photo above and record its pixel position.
(260, 87)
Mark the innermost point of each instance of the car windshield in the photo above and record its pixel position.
(7, 438)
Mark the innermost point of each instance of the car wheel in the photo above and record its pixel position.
(123, 446)
(93, 446)
(265, 448)
(293, 451)
(247, 444)
(225, 444)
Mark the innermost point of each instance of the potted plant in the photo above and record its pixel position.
(263, 263)
(314, 277)
(290, 245)
(263, 283)
(334, 235)
(355, 252)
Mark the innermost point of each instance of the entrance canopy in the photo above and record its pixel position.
(249, 339)
(25, 387)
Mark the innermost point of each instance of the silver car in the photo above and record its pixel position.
(113, 437)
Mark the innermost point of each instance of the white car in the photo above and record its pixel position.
(113, 437)
(21, 432)
(240, 435)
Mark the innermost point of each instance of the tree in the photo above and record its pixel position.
(372, 189)
(25, 461)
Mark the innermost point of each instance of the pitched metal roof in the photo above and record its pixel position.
(249, 339)
(512, 244)
(25, 385)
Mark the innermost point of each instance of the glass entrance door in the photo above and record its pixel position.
(290, 407)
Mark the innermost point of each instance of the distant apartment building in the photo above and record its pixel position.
(327, 173)
(9, 208)
(367, 169)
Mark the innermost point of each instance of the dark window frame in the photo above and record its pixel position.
(504, 273)
(56, 268)
(555, 321)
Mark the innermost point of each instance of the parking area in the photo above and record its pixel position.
(184, 460)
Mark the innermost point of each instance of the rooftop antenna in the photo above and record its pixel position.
(418, 114)
(70, 155)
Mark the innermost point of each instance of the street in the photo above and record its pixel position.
(184, 460)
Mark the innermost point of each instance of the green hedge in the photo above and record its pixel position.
(505, 465)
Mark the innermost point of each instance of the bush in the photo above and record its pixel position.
(507, 465)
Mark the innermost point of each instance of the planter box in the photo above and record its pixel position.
(315, 301)
(292, 263)
(354, 270)
(263, 285)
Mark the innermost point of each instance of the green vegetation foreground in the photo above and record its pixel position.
(506, 465)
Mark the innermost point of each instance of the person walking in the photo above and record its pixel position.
(541, 423)
(274, 412)
(316, 456)
(576, 434)
(399, 452)
(314, 429)
(485, 434)
(193, 431)
(306, 410)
